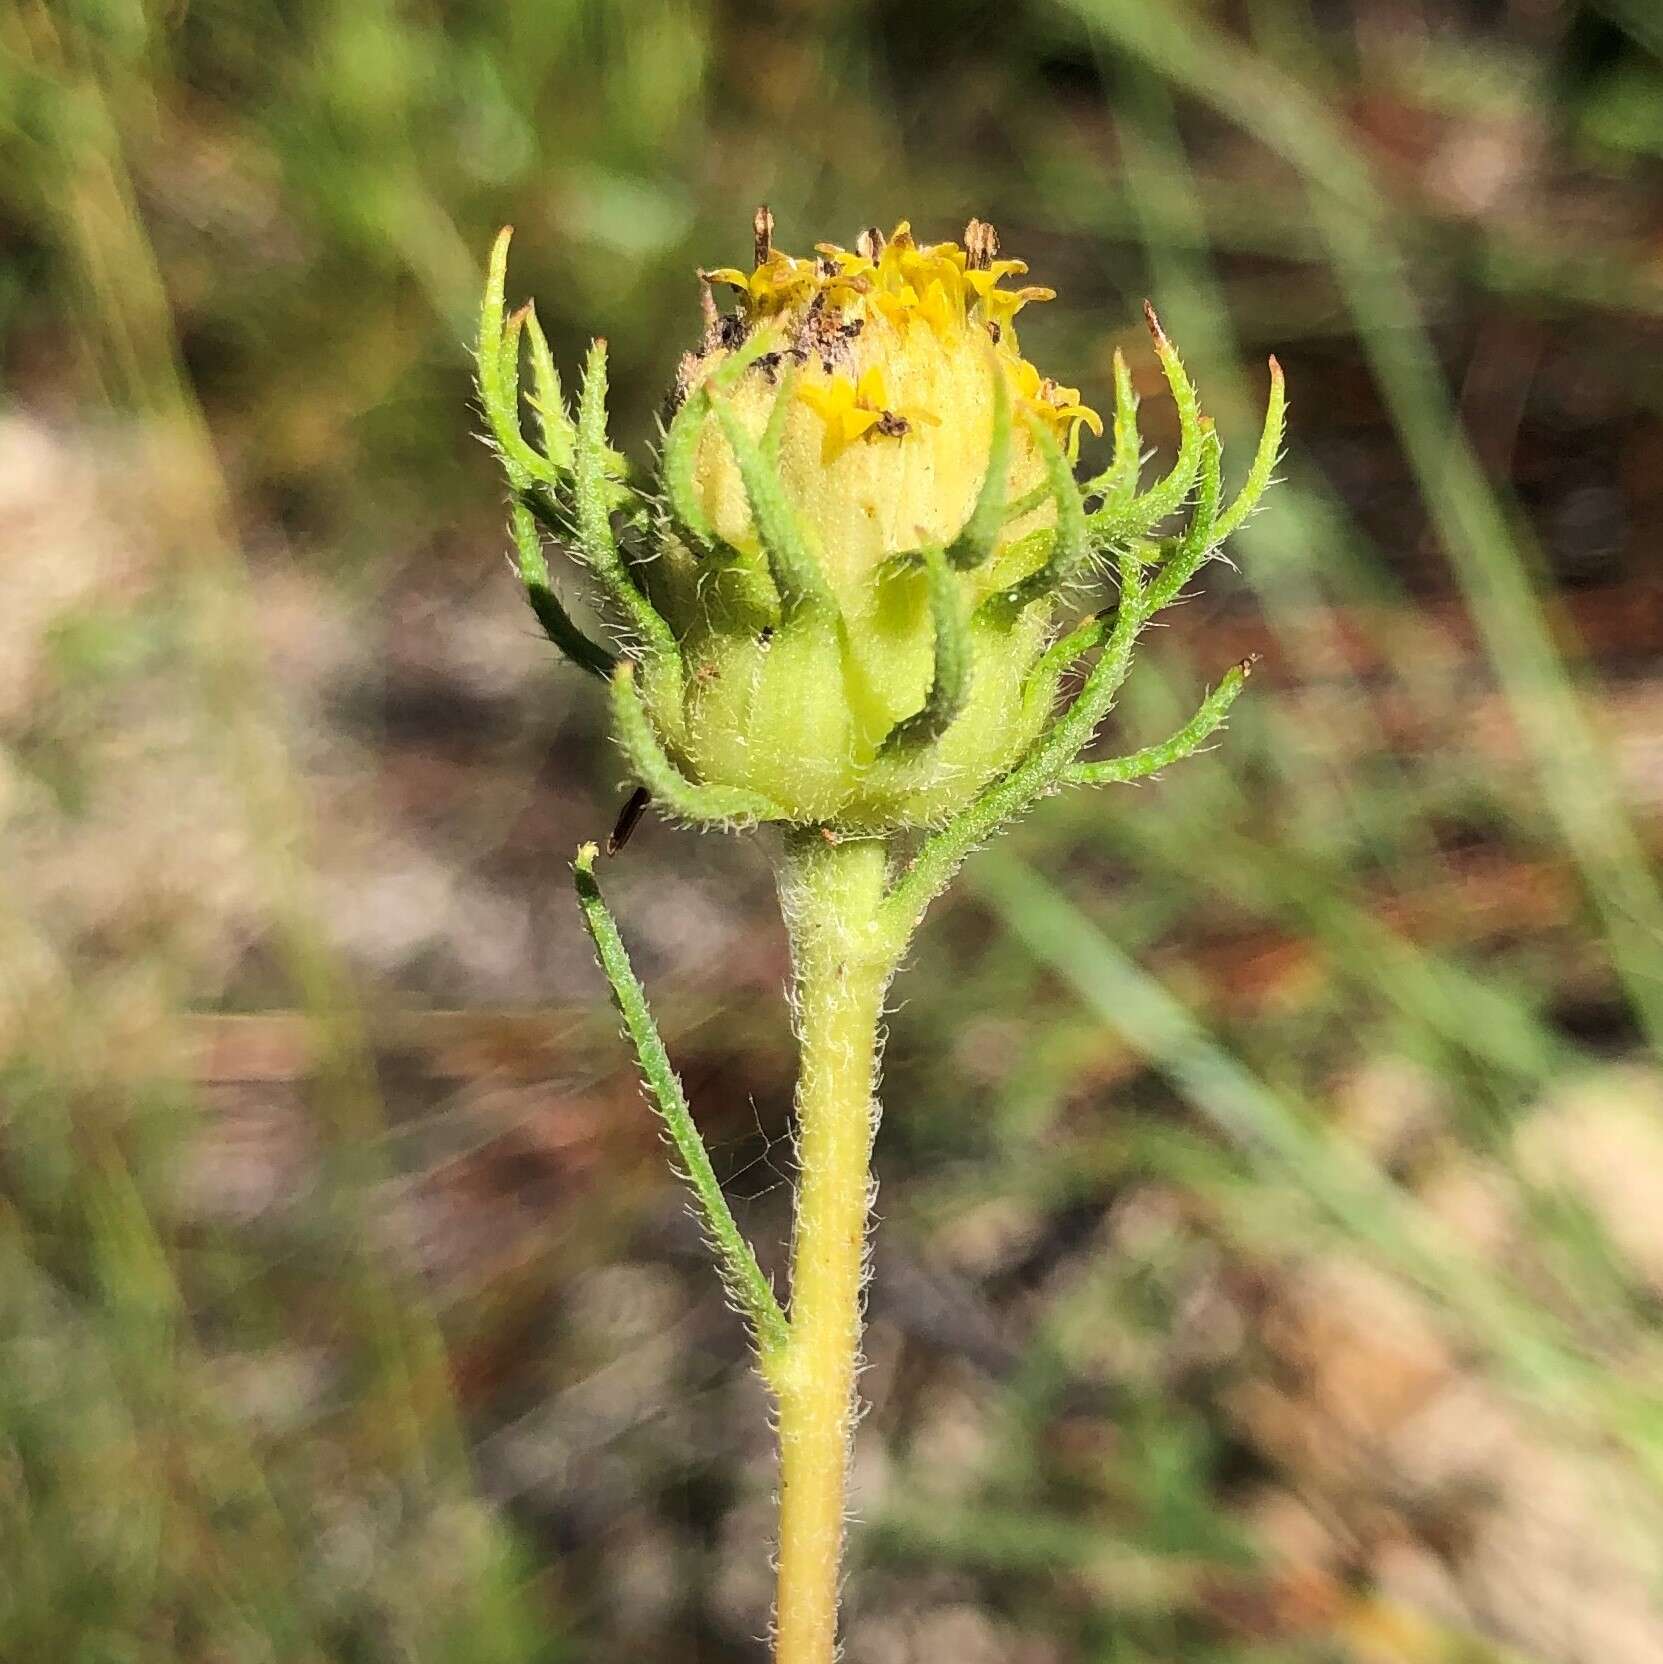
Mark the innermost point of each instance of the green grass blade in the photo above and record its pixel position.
(1287, 1141)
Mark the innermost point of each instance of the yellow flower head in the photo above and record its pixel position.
(870, 379)
(954, 291)
(842, 589)
(886, 352)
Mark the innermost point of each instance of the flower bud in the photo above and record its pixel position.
(838, 599)
(861, 472)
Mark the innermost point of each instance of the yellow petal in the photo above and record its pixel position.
(849, 263)
(1000, 305)
(984, 280)
(1078, 413)
(827, 399)
(842, 430)
(943, 310)
(1025, 378)
(871, 390)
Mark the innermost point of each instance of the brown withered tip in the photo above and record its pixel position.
(870, 243)
(1154, 323)
(707, 303)
(519, 315)
(981, 245)
(762, 223)
(1245, 666)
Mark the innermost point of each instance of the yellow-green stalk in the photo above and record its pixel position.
(837, 602)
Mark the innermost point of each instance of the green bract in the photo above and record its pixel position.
(840, 595)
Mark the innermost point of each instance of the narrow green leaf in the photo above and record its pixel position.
(1020, 507)
(796, 573)
(677, 461)
(1066, 651)
(555, 424)
(1188, 739)
(749, 1289)
(497, 368)
(557, 623)
(679, 455)
(773, 436)
(950, 686)
(1198, 540)
(593, 493)
(1059, 658)
(980, 534)
(945, 849)
(1118, 483)
(1133, 516)
(1071, 549)
(1264, 459)
(488, 348)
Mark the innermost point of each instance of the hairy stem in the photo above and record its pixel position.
(843, 959)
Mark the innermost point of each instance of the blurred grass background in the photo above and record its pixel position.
(1272, 1175)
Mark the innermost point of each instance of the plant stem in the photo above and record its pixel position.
(843, 958)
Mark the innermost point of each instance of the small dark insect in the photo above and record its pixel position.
(892, 425)
(629, 818)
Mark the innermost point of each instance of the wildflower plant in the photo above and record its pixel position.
(864, 600)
